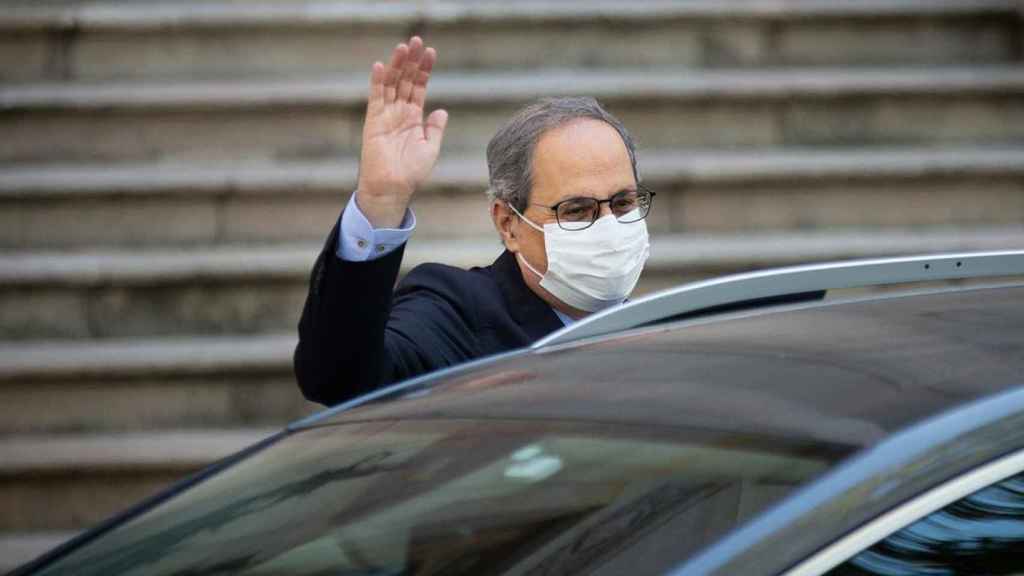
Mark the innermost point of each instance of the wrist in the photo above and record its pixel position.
(380, 210)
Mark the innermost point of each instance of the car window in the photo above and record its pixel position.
(981, 534)
(460, 497)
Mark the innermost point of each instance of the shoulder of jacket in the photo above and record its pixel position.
(444, 278)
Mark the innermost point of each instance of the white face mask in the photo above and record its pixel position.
(593, 268)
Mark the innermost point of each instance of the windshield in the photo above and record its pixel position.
(459, 497)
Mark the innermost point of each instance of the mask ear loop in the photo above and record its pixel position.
(525, 219)
(519, 255)
(528, 266)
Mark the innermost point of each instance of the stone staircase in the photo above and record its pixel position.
(168, 172)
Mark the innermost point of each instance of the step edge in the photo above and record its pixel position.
(465, 172)
(121, 16)
(349, 91)
(124, 267)
(179, 355)
(151, 451)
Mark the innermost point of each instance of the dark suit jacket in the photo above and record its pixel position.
(356, 334)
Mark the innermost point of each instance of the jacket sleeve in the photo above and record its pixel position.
(357, 334)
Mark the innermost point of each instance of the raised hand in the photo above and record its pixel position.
(400, 147)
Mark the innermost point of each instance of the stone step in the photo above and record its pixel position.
(318, 118)
(18, 548)
(216, 39)
(149, 383)
(64, 482)
(71, 206)
(258, 289)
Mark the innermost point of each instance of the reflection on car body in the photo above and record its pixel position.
(981, 534)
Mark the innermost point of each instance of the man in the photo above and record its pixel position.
(565, 201)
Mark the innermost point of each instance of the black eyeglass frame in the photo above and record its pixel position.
(640, 189)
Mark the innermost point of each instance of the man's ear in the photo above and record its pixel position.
(505, 223)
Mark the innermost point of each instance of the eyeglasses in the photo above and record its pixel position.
(580, 213)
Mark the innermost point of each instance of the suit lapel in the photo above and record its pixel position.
(534, 315)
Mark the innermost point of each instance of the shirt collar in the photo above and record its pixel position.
(565, 318)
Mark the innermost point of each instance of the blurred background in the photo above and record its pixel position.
(168, 172)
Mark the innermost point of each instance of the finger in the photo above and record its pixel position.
(410, 70)
(416, 47)
(394, 71)
(376, 84)
(419, 89)
(433, 128)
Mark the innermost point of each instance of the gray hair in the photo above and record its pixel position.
(510, 151)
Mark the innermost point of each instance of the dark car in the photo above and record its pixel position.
(767, 423)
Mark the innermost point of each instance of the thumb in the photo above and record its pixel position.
(433, 130)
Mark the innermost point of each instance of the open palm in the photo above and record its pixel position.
(400, 147)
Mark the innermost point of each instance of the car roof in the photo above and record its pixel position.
(846, 372)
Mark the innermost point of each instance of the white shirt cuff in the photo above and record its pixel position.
(359, 241)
